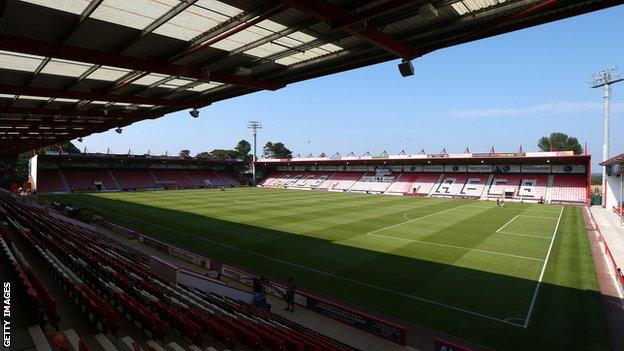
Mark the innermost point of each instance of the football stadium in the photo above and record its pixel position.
(233, 250)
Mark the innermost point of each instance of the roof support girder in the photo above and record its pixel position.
(77, 113)
(380, 10)
(325, 11)
(79, 95)
(43, 48)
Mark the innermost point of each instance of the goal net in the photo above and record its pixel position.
(167, 184)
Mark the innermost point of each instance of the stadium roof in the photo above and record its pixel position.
(70, 68)
(619, 159)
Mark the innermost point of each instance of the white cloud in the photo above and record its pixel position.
(538, 110)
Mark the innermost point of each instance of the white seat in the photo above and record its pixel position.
(154, 345)
(194, 348)
(105, 343)
(175, 347)
(125, 344)
(38, 338)
(73, 338)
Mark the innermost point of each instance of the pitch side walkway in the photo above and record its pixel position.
(607, 226)
(612, 231)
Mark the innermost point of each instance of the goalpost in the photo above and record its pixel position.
(167, 184)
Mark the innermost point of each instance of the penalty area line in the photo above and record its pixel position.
(457, 247)
(415, 219)
(541, 276)
(398, 293)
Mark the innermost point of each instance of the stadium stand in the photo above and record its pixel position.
(177, 177)
(370, 182)
(65, 172)
(557, 176)
(50, 181)
(516, 186)
(313, 180)
(403, 183)
(108, 280)
(89, 180)
(461, 185)
(569, 188)
(341, 181)
(134, 179)
(205, 179)
(227, 178)
(424, 183)
(565, 188)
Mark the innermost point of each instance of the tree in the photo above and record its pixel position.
(22, 159)
(243, 148)
(267, 150)
(276, 150)
(560, 142)
(222, 153)
(203, 154)
(185, 153)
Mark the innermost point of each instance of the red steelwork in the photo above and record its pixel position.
(325, 11)
(229, 33)
(380, 10)
(77, 113)
(44, 48)
(79, 95)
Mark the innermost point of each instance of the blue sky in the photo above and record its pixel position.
(503, 91)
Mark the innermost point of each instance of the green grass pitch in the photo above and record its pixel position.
(514, 278)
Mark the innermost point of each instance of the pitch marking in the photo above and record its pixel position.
(432, 302)
(531, 216)
(458, 247)
(415, 219)
(539, 282)
(506, 224)
(526, 235)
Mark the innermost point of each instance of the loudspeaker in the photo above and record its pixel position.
(406, 68)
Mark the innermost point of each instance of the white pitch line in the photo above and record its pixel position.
(531, 216)
(457, 247)
(526, 235)
(539, 282)
(506, 224)
(432, 302)
(415, 219)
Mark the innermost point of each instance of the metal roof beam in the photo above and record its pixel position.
(79, 95)
(373, 12)
(242, 26)
(76, 113)
(174, 11)
(325, 11)
(230, 24)
(43, 48)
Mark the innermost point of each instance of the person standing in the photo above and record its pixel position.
(290, 295)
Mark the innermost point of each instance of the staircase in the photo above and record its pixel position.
(549, 188)
(64, 180)
(486, 188)
(114, 179)
(436, 184)
(191, 179)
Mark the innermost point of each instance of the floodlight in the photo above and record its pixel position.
(406, 68)
(194, 112)
(79, 140)
(118, 130)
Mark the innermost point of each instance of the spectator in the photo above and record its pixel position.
(290, 295)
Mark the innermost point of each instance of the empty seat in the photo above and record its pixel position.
(569, 188)
(49, 181)
(105, 344)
